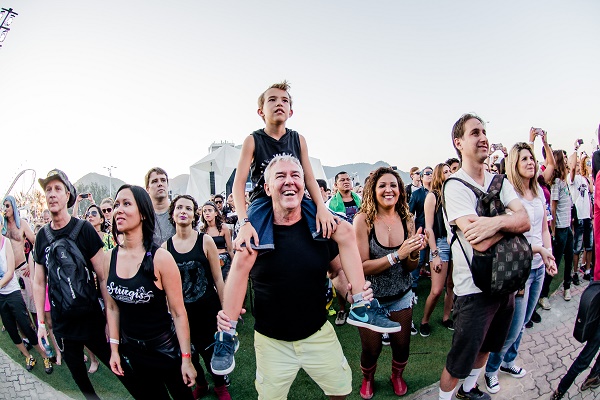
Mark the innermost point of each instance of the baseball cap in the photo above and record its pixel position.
(61, 176)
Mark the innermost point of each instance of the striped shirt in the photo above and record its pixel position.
(560, 193)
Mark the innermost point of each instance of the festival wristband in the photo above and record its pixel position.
(114, 341)
(390, 260)
(41, 324)
(186, 355)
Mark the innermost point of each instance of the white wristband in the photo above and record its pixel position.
(114, 341)
(41, 325)
(390, 260)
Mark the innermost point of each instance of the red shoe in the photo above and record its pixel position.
(398, 382)
(368, 382)
(222, 393)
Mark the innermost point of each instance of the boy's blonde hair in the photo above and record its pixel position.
(285, 85)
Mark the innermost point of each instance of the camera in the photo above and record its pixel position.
(85, 195)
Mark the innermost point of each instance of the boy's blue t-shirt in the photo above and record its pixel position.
(265, 148)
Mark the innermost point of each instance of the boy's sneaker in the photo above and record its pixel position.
(491, 383)
(544, 303)
(29, 363)
(413, 330)
(590, 382)
(341, 318)
(576, 280)
(514, 371)
(48, 365)
(223, 361)
(385, 339)
(567, 295)
(373, 317)
(448, 324)
(425, 330)
(474, 394)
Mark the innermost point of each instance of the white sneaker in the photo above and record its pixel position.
(491, 383)
(544, 303)
(567, 295)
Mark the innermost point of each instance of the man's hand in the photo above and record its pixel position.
(246, 233)
(326, 222)
(479, 229)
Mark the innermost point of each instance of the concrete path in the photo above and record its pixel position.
(16, 383)
(547, 351)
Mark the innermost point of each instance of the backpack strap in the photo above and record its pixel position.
(75, 232)
(454, 228)
(48, 233)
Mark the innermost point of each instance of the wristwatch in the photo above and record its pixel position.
(435, 253)
(244, 222)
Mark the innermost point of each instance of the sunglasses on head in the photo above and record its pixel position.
(106, 210)
(93, 213)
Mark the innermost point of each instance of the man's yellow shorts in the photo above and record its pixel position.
(320, 355)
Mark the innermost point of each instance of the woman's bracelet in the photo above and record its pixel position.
(413, 259)
(114, 341)
(186, 355)
(41, 324)
(390, 260)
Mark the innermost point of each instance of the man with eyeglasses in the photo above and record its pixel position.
(106, 206)
(219, 200)
(157, 186)
(17, 231)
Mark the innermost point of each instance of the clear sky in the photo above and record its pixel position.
(135, 84)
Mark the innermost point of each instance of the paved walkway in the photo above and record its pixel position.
(547, 351)
(16, 383)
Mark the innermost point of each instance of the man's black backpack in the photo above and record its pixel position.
(504, 267)
(71, 287)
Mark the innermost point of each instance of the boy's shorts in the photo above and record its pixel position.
(582, 236)
(260, 214)
(481, 324)
(320, 355)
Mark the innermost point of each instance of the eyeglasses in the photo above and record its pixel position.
(218, 201)
(427, 173)
(93, 213)
(7, 205)
(106, 210)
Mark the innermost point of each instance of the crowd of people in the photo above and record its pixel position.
(156, 284)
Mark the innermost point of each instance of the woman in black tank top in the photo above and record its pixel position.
(213, 224)
(198, 261)
(141, 280)
(441, 262)
(389, 249)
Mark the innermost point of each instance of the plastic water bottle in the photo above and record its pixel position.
(48, 348)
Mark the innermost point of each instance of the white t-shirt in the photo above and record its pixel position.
(536, 209)
(460, 202)
(580, 194)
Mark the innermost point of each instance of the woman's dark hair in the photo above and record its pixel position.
(104, 224)
(560, 169)
(219, 220)
(172, 209)
(144, 205)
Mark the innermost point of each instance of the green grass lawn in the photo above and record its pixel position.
(427, 359)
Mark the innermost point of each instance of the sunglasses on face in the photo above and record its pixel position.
(106, 210)
(218, 201)
(93, 213)
(7, 206)
(427, 173)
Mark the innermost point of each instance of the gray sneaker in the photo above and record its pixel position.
(373, 317)
(223, 360)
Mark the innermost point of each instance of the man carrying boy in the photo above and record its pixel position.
(481, 321)
(275, 107)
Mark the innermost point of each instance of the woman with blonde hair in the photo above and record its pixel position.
(389, 249)
(522, 171)
(440, 254)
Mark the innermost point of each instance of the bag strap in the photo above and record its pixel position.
(48, 233)
(75, 232)
(454, 228)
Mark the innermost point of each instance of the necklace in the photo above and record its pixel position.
(388, 226)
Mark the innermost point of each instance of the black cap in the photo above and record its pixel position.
(58, 174)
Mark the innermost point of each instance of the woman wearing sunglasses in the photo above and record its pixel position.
(106, 206)
(95, 217)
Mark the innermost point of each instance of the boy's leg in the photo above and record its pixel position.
(361, 313)
(226, 343)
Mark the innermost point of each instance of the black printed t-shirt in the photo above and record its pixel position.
(351, 209)
(89, 243)
(298, 268)
(265, 149)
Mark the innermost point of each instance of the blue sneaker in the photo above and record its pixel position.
(373, 317)
(223, 361)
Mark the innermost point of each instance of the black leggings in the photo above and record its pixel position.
(72, 352)
(13, 311)
(202, 317)
(399, 342)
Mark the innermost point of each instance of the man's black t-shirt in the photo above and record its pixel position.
(298, 268)
(89, 242)
(351, 209)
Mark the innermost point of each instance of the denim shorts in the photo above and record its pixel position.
(444, 249)
(400, 304)
(583, 236)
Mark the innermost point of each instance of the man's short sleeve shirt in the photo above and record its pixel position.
(461, 201)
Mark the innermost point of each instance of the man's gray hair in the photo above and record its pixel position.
(278, 158)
